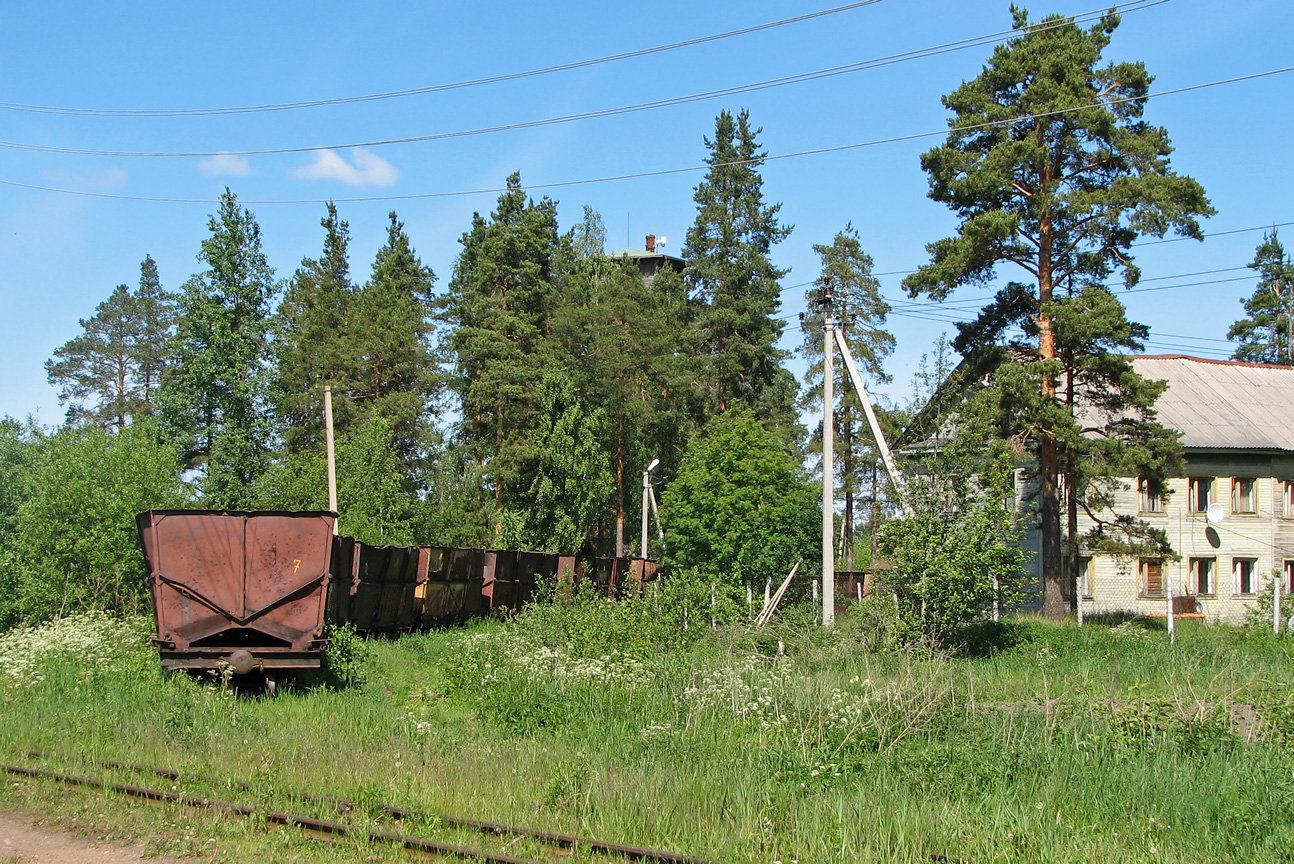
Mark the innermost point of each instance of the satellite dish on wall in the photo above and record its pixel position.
(1215, 513)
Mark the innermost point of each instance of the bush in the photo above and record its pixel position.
(75, 545)
(740, 505)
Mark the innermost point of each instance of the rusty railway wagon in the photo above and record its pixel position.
(253, 589)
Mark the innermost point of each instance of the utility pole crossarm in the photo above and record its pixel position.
(877, 434)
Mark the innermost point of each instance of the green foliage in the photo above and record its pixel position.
(346, 657)
(498, 303)
(958, 550)
(728, 265)
(1264, 335)
(373, 497)
(314, 343)
(74, 545)
(116, 364)
(859, 311)
(215, 393)
(1098, 748)
(394, 371)
(570, 477)
(1050, 167)
(739, 506)
(1258, 617)
(630, 351)
(589, 237)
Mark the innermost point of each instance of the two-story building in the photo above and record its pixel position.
(1231, 515)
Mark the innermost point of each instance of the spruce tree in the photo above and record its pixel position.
(215, 393)
(504, 285)
(314, 344)
(1265, 335)
(394, 370)
(729, 269)
(1050, 167)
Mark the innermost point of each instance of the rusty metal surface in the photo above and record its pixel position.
(265, 583)
(236, 579)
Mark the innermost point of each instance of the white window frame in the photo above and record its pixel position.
(1194, 485)
(1084, 577)
(1287, 498)
(1244, 504)
(1149, 501)
(1238, 565)
(1210, 588)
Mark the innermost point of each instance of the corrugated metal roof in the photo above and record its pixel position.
(1226, 405)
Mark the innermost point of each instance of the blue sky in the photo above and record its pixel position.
(61, 254)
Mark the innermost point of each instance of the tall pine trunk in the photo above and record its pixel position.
(1053, 598)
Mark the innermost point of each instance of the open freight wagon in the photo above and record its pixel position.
(253, 590)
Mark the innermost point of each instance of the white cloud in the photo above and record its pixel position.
(225, 163)
(368, 169)
(107, 178)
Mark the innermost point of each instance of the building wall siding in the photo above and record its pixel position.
(1265, 538)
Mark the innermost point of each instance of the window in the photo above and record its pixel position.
(1202, 575)
(1150, 496)
(1152, 577)
(1085, 578)
(1289, 576)
(1242, 574)
(1243, 497)
(1200, 494)
(1287, 490)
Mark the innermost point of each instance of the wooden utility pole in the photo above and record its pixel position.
(332, 457)
(828, 458)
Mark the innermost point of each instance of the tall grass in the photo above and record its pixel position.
(1053, 744)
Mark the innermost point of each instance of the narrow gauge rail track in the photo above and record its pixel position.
(344, 805)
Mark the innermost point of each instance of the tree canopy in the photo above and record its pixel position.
(729, 269)
(1264, 336)
(740, 506)
(1051, 168)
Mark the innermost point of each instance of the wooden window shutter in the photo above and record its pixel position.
(1154, 578)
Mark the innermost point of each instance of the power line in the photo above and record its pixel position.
(585, 115)
(434, 88)
(661, 172)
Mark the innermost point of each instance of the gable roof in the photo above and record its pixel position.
(1223, 404)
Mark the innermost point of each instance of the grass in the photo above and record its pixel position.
(1038, 742)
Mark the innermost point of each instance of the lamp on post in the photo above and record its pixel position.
(647, 495)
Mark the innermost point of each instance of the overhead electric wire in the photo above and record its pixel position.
(434, 88)
(657, 173)
(585, 115)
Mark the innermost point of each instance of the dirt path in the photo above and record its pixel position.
(23, 839)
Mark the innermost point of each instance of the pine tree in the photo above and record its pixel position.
(115, 364)
(860, 310)
(1265, 336)
(314, 344)
(728, 265)
(504, 285)
(1050, 167)
(215, 392)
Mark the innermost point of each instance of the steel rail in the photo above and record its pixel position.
(496, 828)
(407, 841)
